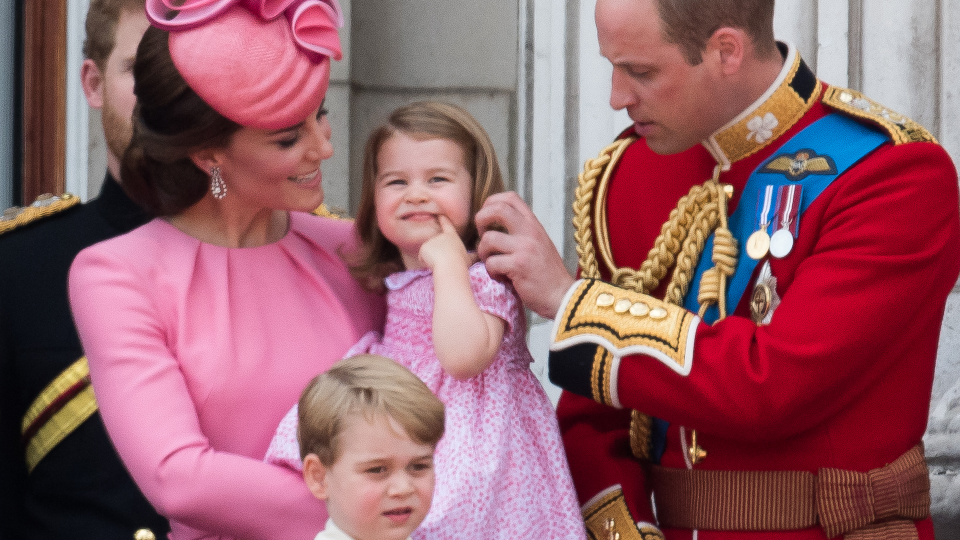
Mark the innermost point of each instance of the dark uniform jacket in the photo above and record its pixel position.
(80, 489)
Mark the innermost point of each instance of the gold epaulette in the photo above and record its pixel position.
(900, 128)
(45, 205)
(335, 213)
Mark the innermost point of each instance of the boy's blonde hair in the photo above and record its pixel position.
(368, 386)
(423, 120)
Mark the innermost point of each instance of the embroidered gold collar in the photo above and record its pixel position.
(789, 97)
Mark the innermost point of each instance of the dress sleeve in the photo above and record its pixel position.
(152, 420)
(492, 296)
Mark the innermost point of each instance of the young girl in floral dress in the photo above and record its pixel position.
(500, 468)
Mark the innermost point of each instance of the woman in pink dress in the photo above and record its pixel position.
(201, 326)
(501, 473)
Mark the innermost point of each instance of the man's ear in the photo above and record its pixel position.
(728, 48)
(315, 475)
(91, 79)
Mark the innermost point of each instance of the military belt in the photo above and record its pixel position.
(878, 504)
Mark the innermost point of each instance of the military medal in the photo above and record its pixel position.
(788, 218)
(759, 242)
(764, 298)
(781, 243)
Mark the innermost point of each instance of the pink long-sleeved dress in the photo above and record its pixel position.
(196, 352)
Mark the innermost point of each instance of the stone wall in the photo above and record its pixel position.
(943, 430)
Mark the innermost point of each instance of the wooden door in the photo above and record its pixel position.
(44, 97)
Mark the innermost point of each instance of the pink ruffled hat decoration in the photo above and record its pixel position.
(262, 63)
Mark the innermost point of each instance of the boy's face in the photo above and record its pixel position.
(381, 486)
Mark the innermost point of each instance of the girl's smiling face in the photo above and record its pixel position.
(417, 181)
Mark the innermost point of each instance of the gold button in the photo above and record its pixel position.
(144, 534)
(639, 309)
(605, 300)
(622, 305)
(658, 313)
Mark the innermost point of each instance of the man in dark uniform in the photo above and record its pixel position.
(59, 474)
(764, 264)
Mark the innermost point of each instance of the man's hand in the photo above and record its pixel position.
(514, 245)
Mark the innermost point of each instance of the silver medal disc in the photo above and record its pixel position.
(781, 243)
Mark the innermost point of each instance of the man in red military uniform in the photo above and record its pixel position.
(792, 404)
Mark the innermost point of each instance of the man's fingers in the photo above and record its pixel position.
(500, 212)
(499, 265)
(493, 243)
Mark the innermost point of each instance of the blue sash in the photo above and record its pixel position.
(839, 139)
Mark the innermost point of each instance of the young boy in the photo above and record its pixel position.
(367, 430)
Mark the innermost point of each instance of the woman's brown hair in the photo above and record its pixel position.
(423, 120)
(170, 122)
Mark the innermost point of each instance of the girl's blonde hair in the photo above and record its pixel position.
(422, 120)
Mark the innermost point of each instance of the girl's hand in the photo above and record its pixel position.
(444, 248)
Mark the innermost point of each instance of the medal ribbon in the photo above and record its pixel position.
(788, 208)
(764, 202)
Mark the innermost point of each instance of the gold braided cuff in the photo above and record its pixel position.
(66, 403)
(607, 517)
(624, 323)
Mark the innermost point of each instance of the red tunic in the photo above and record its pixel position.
(841, 376)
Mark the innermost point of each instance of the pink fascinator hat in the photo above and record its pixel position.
(261, 63)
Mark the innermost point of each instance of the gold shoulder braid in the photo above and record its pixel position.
(45, 205)
(901, 129)
(698, 214)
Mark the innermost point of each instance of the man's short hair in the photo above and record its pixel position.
(365, 386)
(101, 27)
(690, 23)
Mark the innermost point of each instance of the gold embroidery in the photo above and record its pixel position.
(667, 336)
(597, 376)
(800, 165)
(609, 518)
(901, 129)
(45, 205)
(768, 122)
